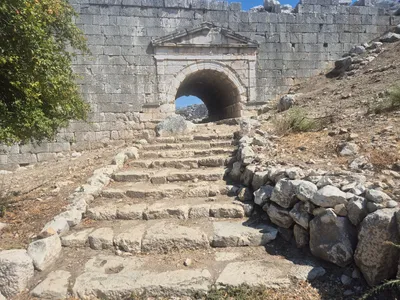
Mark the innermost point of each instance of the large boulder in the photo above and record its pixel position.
(284, 193)
(300, 215)
(174, 125)
(305, 190)
(333, 238)
(286, 102)
(263, 194)
(357, 210)
(390, 37)
(278, 215)
(329, 196)
(259, 179)
(45, 252)
(341, 66)
(376, 259)
(301, 236)
(376, 196)
(247, 176)
(16, 270)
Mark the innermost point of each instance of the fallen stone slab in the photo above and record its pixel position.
(16, 271)
(122, 285)
(55, 286)
(272, 273)
(44, 252)
(58, 225)
(237, 234)
(166, 237)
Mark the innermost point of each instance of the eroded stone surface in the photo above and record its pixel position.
(55, 286)
(166, 237)
(376, 259)
(237, 234)
(44, 252)
(333, 238)
(16, 270)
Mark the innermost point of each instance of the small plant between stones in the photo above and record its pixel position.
(388, 104)
(297, 120)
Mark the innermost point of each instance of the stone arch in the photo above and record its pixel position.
(215, 84)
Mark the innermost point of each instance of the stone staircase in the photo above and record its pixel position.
(168, 226)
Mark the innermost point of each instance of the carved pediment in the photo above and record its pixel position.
(205, 35)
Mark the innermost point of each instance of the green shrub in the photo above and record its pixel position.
(296, 120)
(38, 91)
(388, 104)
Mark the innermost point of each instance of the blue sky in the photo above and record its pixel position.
(246, 4)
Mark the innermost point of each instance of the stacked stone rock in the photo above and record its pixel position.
(334, 213)
(360, 56)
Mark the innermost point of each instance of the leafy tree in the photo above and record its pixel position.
(38, 91)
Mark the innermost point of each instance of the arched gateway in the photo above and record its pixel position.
(213, 63)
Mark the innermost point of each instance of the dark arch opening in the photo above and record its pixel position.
(216, 90)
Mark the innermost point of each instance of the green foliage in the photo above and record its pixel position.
(242, 292)
(38, 93)
(296, 120)
(388, 104)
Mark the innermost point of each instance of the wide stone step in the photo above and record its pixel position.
(181, 276)
(169, 175)
(191, 208)
(147, 190)
(169, 236)
(195, 137)
(187, 153)
(189, 145)
(180, 163)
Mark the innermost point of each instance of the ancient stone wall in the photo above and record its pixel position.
(121, 80)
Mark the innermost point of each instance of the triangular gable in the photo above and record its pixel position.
(205, 35)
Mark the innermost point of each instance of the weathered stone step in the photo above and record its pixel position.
(106, 276)
(191, 208)
(195, 137)
(169, 236)
(180, 163)
(169, 175)
(187, 153)
(189, 145)
(150, 191)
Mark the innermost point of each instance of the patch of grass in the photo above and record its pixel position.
(297, 120)
(243, 292)
(388, 104)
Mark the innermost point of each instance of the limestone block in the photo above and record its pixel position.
(376, 259)
(44, 252)
(55, 286)
(16, 271)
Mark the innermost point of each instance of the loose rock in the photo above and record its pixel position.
(44, 252)
(55, 286)
(16, 270)
(332, 238)
(376, 259)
